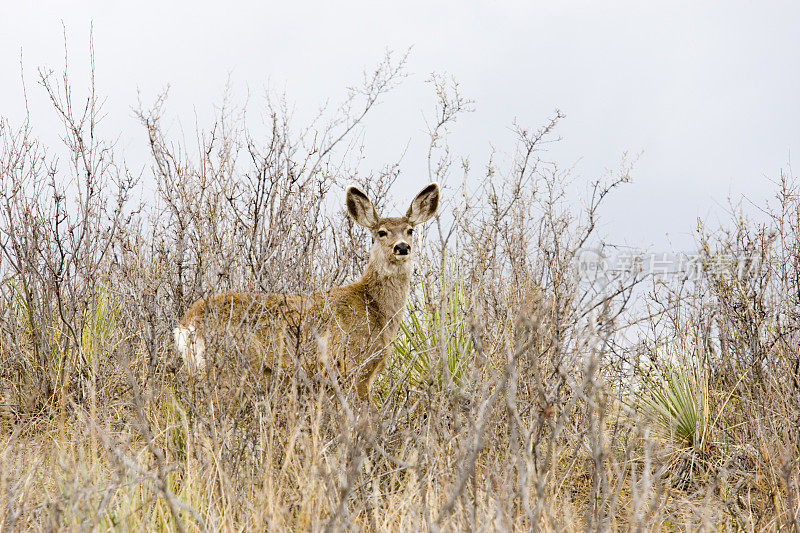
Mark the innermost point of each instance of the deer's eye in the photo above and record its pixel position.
(410, 232)
(381, 233)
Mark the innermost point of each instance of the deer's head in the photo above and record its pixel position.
(392, 243)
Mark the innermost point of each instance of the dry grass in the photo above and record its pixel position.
(512, 402)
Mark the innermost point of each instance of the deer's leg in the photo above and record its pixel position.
(369, 372)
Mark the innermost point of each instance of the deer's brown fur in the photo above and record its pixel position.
(354, 325)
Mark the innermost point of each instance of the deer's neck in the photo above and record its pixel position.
(387, 285)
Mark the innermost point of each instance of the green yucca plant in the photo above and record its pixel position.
(676, 398)
(99, 324)
(434, 325)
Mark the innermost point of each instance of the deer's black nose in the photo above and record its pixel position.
(402, 249)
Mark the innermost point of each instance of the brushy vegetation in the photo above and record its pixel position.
(520, 397)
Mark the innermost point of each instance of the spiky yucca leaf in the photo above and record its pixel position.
(100, 323)
(676, 398)
(434, 327)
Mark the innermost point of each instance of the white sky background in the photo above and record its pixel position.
(709, 93)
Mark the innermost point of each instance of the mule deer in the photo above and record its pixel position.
(354, 325)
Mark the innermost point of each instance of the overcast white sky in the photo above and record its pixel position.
(710, 92)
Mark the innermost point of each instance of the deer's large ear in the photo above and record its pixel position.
(360, 208)
(424, 205)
